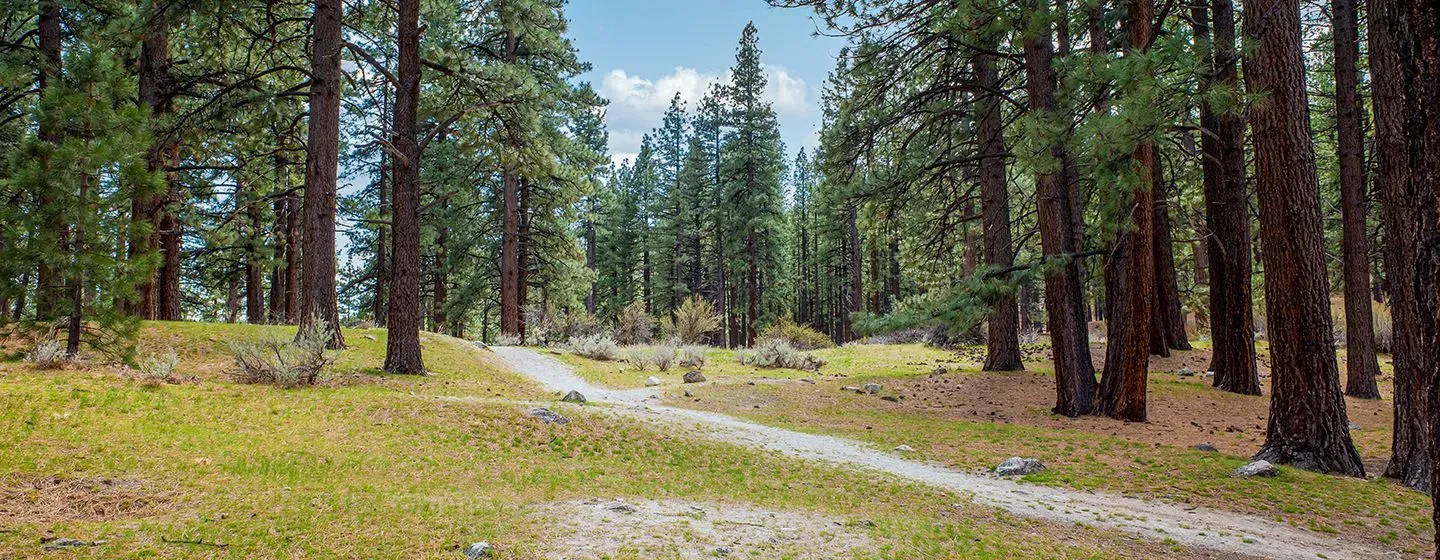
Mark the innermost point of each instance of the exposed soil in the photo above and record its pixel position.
(26, 500)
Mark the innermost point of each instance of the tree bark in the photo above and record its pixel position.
(1167, 285)
(379, 301)
(1074, 375)
(857, 289)
(254, 265)
(1403, 71)
(1130, 271)
(1227, 212)
(1002, 341)
(402, 346)
(47, 293)
(1308, 426)
(1361, 365)
(319, 305)
(159, 298)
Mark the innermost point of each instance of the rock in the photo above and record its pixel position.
(903, 449)
(892, 398)
(810, 381)
(873, 388)
(549, 417)
(941, 371)
(370, 337)
(853, 389)
(62, 544)
(750, 383)
(1208, 448)
(723, 551)
(1016, 466)
(1257, 468)
(1185, 372)
(1352, 426)
(1209, 374)
(688, 394)
(651, 381)
(621, 507)
(694, 376)
(478, 550)
(574, 397)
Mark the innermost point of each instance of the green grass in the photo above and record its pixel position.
(378, 466)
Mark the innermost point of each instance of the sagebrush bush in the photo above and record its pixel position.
(595, 347)
(663, 356)
(47, 354)
(503, 339)
(282, 363)
(694, 319)
(1384, 326)
(633, 325)
(158, 368)
(637, 356)
(798, 336)
(777, 353)
(693, 355)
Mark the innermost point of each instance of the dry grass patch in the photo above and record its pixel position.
(53, 499)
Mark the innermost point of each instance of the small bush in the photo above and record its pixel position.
(158, 368)
(693, 355)
(633, 325)
(595, 347)
(1384, 326)
(638, 357)
(503, 339)
(777, 353)
(582, 324)
(663, 356)
(694, 319)
(282, 363)
(799, 337)
(48, 354)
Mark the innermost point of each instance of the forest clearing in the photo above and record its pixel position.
(772, 279)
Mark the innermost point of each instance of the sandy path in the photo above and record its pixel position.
(1195, 527)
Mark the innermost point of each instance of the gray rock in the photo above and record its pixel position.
(369, 337)
(873, 388)
(1353, 426)
(688, 394)
(1257, 468)
(619, 506)
(1185, 372)
(1206, 447)
(723, 551)
(1016, 466)
(694, 376)
(478, 550)
(892, 398)
(651, 381)
(853, 389)
(941, 371)
(810, 381)
(904, 449)
(549, 417)
(574, 397)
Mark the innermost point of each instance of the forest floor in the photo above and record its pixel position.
(969, 421)
(96, 463)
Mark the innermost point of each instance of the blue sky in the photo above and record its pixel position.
(645, 51)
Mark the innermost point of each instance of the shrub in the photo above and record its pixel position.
(582, 324)
(638, 357)
(48, 354)
(1384, 326)
(777, 353)
(798, 336)
(282, 363)
(158, 368)
(693, 320)
(503, 339)
(595, 347)
(693, 355)
(664, 356)
(633, 325)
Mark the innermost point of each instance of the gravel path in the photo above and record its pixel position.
(1216, 530)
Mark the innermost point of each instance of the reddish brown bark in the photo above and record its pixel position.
(1308, 426)
(402, 346)
(1002, 341)
(319, 302)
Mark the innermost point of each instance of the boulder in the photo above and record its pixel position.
(1206, 447)
(1257, 468)
(478, 550)
(1185, 372)
(853, 389)
(1016, 466)
(694, 376)
(574, 397)
(651, 381)
(903, 449)
(549, 417)
(873, 388)
(1352, 426)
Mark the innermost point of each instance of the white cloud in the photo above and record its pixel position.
(637, 103)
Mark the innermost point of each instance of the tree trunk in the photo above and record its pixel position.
(590, 254)
(522, 270)
(1167, 285)
(47, 294)
(402, 346)
(1227, 213)
(1002, 341)
(440, 289)
(1404, 70)
(1308, 425)
(379, 302)
(1361, 365)
(319, 306)
(857, 289)
(1130, 271)
(171, 234)
(279, 233)
(293, 243)
(1074, 375)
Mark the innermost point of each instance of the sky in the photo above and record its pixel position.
(645, 51)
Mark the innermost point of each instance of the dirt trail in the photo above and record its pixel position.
(1216, 530)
